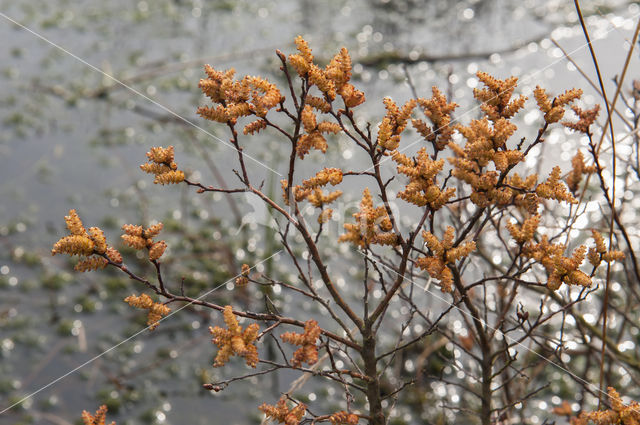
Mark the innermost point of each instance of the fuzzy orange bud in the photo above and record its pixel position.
(254, 127)
(235, 341)
(135, 242)
(91, 263)
(170, 177)
(132, 230)
(98, 419)
(114, 255)
(74, 224)
(155, 310)
(161, 155)
(73, 245)
(157, 249)
(97, 236)
(153, 231)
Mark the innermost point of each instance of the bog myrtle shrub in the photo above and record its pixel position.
(458, 211)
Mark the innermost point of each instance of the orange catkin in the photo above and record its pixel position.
(308, 352)
(235, 341)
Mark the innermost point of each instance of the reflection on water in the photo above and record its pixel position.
(71, 137)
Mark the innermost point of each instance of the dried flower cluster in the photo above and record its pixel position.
(394, 123)
(486, 142)
(443, 253)
(98, 419)
(526, 231)
(243, 279)
(90, 244)
(311, 191)
(156, 311)
(422, 188)
(281, 413)
(314, 133)
(235, 99)
(234, 341)
(599, 253)
(139, 238)
(372, 226)
(554, 188)
(439, 111)
(565, 269)
(554, 109)
(332, 80)
(578, 170)
(161, 164)
(585, 119)
(308, 351)
(619, 414)
(343, 418)
(559, 268)
(496, 97)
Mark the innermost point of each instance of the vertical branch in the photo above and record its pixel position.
(486, 363)
(609, 123)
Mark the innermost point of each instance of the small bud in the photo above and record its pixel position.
(157, 249)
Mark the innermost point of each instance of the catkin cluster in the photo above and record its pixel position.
(559, 268)
(485, 154)
(470, 165)
(311, 191)
(98, 419)
(90, 244)
(323, 177)
(314, 132)
(372, 226)
(585, 119)
(308, 351)
(524, 232)
(394, 123)
(443, 253)
(243, 279)
(234, 99)
(343, 418)
(497, 97)
(422, 188)
(161, 164)
(553, 110)
(155, 310)
(235, 341)
(439, 111)
(331, 81)
(619, 414)
(578, 170)
(554, 188)
(599, 253)
(565, 269)
(281, 413)
(485, 159)
(139, 238)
